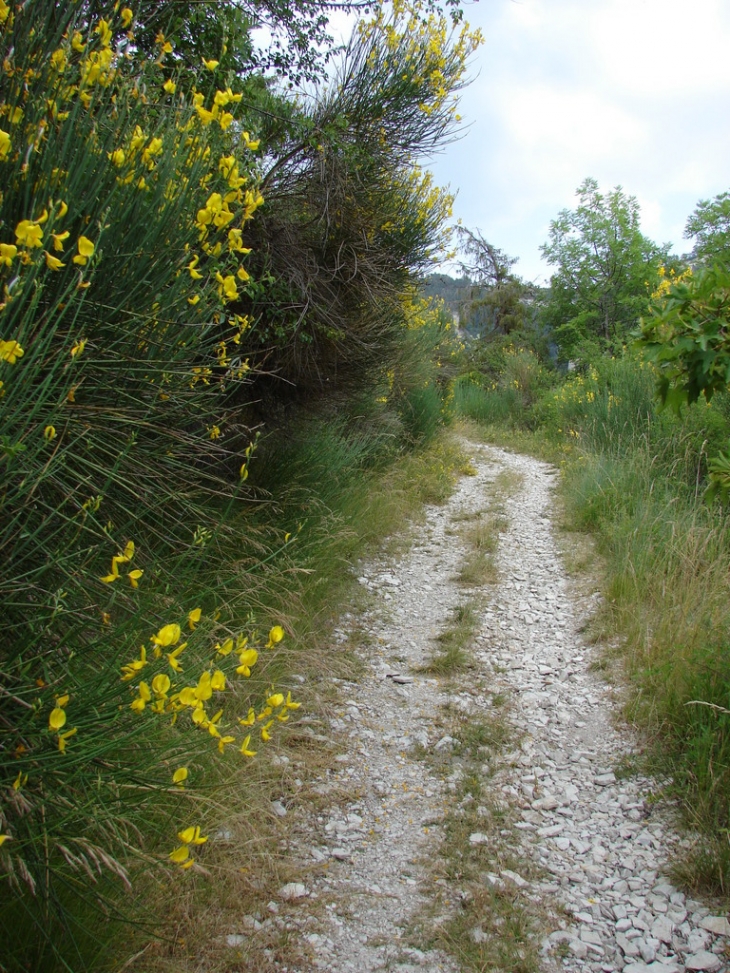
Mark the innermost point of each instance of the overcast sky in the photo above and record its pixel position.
(631, 92)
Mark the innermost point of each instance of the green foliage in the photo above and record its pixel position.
(686, 335)
(606, 269)
(505, 385)
(709, 224)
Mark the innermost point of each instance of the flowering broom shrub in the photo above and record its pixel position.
(133, 319)
(126, 198)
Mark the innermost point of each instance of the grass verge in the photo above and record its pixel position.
(222, 918)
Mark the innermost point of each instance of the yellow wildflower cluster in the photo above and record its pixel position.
(87, 62)
(123, 558)
(189, 837)
(668, 279)
(423, 49)
(162, 696)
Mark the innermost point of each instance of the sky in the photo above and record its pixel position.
(630, 92)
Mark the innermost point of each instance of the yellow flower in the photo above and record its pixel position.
(227, 289)
(214, 432)
(8, 253)
(194, 618)
(117, 158)
(77, 42)
(247, 659)
(154, 148)
(250, 718)
(192, 836)
(210, 65)
(144, 697)
(4, 837)
(132, 668)
(243, 274)
(188, 697)
(245, 747)
(275, 636)
(180, 776)
(180, 855)
(57, 719)
(235, 242)
(204, 115)
(204, 689)
(78, 348)
(63, 739)
(222, 741)
(226, 648)
(170, 86)
(276, 700)
(265, 735)
(218, 680)
(195, 274)
(58, 240)
(104, 31)
(134, 576)
(29, 234)
(5, 145)
(167, 635)
(161, 684)
(86, 250)
(19, 781)
(289, 704)
(49, 433)
(173, 657)
(53, 263)
(10, 351)
(127, 17)
(194, 300)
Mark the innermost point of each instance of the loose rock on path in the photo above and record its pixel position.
(601, 851)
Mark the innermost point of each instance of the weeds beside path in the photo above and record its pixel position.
(475, 817)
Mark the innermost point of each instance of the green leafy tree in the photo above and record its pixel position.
(687, 334)
(709, 224)
(606, 269)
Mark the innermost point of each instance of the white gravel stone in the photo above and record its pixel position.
(718, 925)
(293, 891)
(703, 960)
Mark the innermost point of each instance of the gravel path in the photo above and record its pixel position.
(598, 847)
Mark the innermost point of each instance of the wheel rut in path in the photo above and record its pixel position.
(597, 849)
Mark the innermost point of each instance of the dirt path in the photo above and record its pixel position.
(592, 850)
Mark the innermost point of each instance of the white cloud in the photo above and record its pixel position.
(631, 92)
